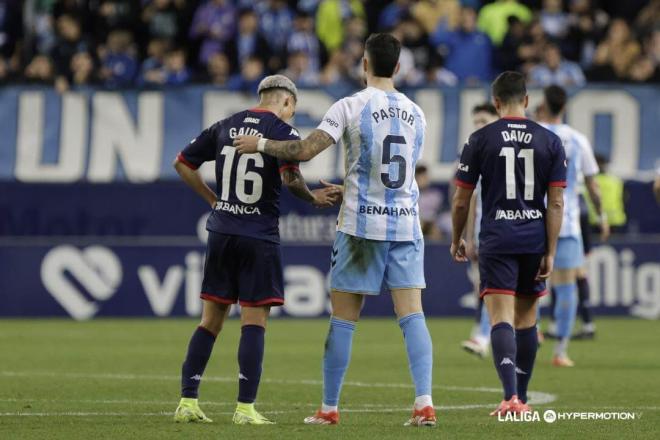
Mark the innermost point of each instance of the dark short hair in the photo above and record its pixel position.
(421, 169)
(383, 51)
(509, 86)
(486, 107)
(555, 99)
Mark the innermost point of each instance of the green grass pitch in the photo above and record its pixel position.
(118, 379)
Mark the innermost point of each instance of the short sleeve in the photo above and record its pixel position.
(589, 164)
(559, 165)
(199, 150)
(281, 131)
(467, 174)
(334, 121)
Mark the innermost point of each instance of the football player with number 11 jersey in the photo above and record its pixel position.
(520, 163)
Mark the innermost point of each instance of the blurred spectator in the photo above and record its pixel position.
(649, 16)
(118, 59)
(430, 204)
(644, 70)
(434, 13)
(82, 69)
(41, 27)
(303, 39)
(586, 26)
(508, 57)
(553, 19)
(172, 72)
(330, 17)
(69, 42)
(11, 30)
(438, 75)
(114, 14)
(493, 18)
(276, 21)
(531, 51)
(392, 14)
(463, 47)
(40, 70)
(355, 33)
(161, 18)
(248, 42)
(614, 55)
(612, 197)
(4, 70)
(218, 69)
(652, 46)
(156, 50)
(409, 74)
(298, 70)
(556, 71)
(415, 39)
(247, 81)
(213, 24)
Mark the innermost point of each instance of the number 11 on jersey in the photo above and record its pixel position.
(527, 155)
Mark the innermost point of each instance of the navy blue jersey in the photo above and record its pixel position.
(517, 160)
(248, 185)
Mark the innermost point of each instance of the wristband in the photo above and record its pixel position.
(261, 145)
(603, 218)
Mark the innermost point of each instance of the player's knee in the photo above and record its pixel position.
(255, 316)
(213, 316)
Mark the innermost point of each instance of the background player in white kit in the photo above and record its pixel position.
(379, 236)
(570, 254)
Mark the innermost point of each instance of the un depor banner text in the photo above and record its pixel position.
(109, 136)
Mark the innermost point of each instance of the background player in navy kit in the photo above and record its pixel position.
(519, 163)
(243, 255)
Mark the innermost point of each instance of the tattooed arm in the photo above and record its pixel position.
(321, 198)
(302, 150)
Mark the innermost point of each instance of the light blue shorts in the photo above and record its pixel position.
(570, 253)
(359, 265)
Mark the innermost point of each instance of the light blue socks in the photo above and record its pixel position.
(420, 351)
(336, 358)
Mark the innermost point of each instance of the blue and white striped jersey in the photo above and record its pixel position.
(581, 162)
(383, 137)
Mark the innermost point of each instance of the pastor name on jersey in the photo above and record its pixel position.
(383, 137)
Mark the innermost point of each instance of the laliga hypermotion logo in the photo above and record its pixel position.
(96, 269)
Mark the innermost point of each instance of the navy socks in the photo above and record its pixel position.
(527, 343)
(199, 351)
(250, 358)
(503, 343)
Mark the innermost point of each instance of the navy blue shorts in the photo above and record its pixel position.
(510, 274)
(244, 270)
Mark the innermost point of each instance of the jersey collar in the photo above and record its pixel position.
(260, 110)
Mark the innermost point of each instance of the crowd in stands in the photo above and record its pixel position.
(235, 43)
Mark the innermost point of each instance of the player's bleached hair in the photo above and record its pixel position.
(278, 82)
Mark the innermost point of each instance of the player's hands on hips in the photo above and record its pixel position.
(458, 251)
(545, 269)
(246, 144)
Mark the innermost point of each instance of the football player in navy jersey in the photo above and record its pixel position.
(243, 254)
(520, 163)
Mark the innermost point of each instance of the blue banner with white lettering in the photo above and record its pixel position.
(96, 279)
(102, 136)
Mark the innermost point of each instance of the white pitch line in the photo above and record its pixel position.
(535, 397)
